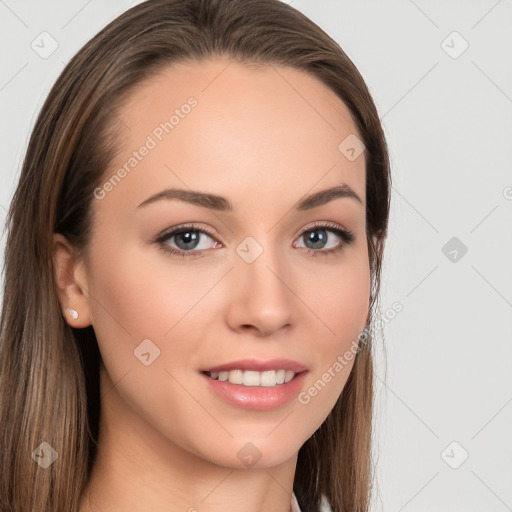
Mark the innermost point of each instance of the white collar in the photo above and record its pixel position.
(294, 506)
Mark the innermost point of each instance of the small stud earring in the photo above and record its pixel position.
(73, 313)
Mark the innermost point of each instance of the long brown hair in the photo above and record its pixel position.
(49, 387)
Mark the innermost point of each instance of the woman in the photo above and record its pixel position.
(192, 269)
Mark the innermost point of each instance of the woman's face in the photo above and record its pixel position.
(248, 287)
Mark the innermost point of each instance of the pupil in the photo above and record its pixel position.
(317, 240)
(188, 237)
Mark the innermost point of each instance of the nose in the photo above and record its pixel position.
(260, 295)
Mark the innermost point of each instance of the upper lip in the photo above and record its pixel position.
(259, 365)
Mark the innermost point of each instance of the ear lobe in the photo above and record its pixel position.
(70, 283)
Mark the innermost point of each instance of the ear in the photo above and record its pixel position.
(71, 283)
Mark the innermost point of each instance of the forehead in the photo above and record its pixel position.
(237, 130)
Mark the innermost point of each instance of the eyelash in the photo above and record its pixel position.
(346, 236)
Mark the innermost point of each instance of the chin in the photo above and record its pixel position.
(253, 454)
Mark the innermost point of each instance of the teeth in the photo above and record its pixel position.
(236, 377)
(288, 376)
(267, 378)
(251, 378)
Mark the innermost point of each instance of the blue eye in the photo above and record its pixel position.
(317, 237)
(188, 237)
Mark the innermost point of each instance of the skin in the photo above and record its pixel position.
(263, 137)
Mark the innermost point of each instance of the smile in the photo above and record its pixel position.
(266, 378)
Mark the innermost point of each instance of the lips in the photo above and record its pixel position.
(264, 397)
(256, 384)
(258, 366)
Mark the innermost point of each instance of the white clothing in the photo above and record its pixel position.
(295, 506)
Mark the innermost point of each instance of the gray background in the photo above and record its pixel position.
(447, 114)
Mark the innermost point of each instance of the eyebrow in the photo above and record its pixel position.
(220, 203)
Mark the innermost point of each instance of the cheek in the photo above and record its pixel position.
(161, 304)
(140, 295)
(340, 299)
(142, 299)
(339, 296)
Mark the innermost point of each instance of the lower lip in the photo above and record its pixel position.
(260, 398)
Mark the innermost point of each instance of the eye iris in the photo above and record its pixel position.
(317, 240)
(188, 237)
